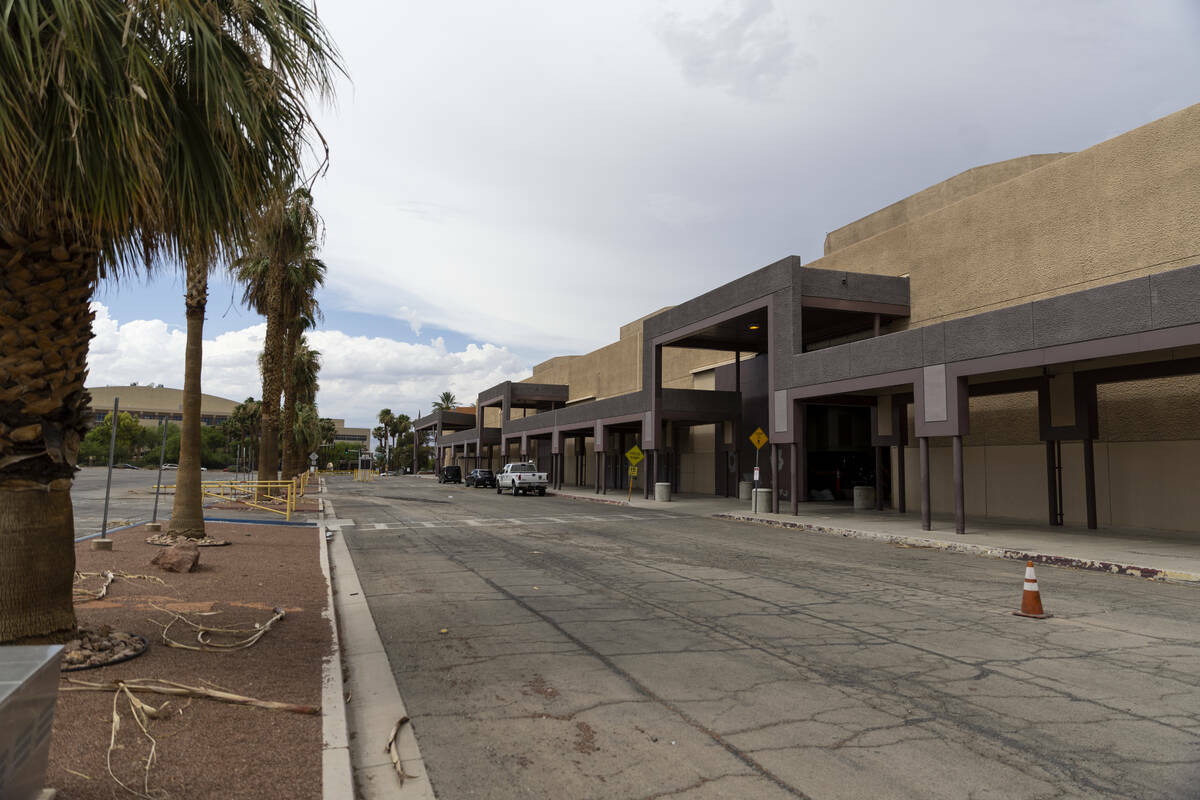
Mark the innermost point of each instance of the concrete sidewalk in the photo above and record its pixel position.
(1161, 555)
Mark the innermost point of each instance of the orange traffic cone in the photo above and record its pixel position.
(1031, 599)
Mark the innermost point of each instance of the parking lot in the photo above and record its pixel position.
(554, 648)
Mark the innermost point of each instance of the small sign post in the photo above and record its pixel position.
(758, 439)
(634, 456)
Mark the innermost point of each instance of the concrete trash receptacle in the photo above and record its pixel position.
(662, 492)
(864, 498)
(763, 506)
(744, 490)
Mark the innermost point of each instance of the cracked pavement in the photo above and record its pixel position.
(594, 652)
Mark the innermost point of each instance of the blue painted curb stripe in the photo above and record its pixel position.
(112, 530)
(207, 519)
(260, 522)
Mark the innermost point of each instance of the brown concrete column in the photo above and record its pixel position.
(795, 476)
(926, 516)
(599, 470)
(1089, 483)
(604, 470)
(774, 478)
(1051, 483)
(802, 452)
(647, 475)
(960, 506)
(879, 476)
(901, 488)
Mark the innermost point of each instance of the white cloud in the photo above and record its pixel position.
(359, 374)
(744, 47)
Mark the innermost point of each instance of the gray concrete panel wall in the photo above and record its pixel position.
(1175, 297)
(903, 350)
(821, 366)
(1112, 310)
(759, 283)
(841, 285)
(700, 402)
(933, 344)
(1006, 330)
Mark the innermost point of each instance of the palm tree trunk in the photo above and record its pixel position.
(268, 448)
(187, 515)
(287, 430)
(45, 327)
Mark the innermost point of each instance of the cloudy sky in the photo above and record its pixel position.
(512, 181)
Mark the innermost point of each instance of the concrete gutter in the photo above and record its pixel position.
(589, 499)
(360, 766)
(337, 777)
(991, 551)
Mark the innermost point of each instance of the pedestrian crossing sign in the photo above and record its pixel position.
(635, 455)
(758, 438)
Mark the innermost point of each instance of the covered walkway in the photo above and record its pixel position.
(1164, 555)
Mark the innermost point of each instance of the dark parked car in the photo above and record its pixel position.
(450, 474)
(481, 477)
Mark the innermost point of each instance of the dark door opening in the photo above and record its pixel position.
(839, 452)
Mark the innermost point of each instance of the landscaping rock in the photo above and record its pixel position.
(182, 557)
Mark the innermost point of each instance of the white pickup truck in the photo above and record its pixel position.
(519, 477)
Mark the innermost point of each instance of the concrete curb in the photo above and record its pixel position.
(375, 704)
(990, 551)
(337, 777)
(586, 499)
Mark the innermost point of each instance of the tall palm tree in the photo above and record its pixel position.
(387, 420)
(302, 390)
(281, 273)
(307, 432)
(129, 134)
(446, 402)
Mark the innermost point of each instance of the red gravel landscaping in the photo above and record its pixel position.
(206, 749)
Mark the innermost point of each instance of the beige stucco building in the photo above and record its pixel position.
(150, 404)
(1020, 341)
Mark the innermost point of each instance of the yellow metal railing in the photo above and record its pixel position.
(255, 493)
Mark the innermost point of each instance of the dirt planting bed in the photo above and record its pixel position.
(204, 748)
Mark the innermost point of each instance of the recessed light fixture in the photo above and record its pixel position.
(753, 327)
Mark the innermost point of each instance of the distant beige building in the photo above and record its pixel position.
(152, 404)
(1020, 341)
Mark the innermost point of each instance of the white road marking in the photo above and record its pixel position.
(478, 522)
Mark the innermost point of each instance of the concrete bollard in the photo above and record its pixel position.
(154, 526)
(102, 544)
(864, 498)
(744, 490)
(763, 504)
(662, 492)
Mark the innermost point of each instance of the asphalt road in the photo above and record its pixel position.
(131, 498)
(607, 652)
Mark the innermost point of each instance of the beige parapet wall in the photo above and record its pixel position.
(1123, 208)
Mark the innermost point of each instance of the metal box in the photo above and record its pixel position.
(28, 692)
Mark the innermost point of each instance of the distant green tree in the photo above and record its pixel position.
(94, 447)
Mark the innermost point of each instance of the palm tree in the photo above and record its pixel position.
(446, 402)
(302, 390)
(281, 273)
(307, 432)
(386, 420)
(244, 423)
(129, 134)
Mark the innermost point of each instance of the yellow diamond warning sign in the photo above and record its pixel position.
(758, 438)
(635, 455)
